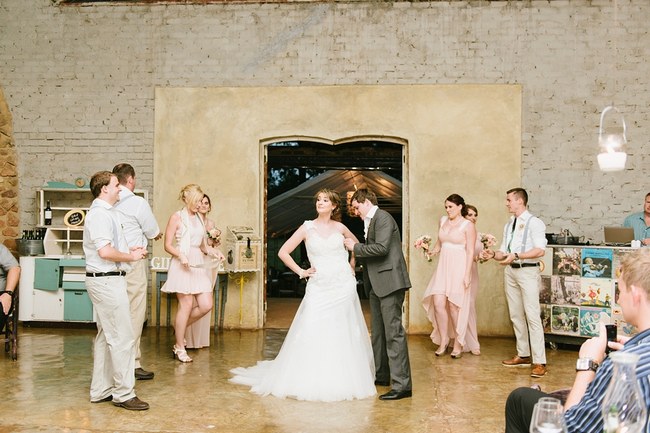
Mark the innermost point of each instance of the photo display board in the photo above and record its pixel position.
(579, 290)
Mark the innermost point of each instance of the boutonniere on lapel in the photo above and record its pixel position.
(521, 226)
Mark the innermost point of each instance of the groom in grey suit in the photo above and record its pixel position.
(386, 281)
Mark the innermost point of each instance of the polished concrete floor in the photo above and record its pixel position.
(46, 390)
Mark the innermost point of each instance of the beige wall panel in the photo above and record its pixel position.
(460, 138)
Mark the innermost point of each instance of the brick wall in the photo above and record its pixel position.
(9, 191)
(80, 80)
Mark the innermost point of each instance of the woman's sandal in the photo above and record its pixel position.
(180, 354)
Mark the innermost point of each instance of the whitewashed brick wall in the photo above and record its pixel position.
(80, 80)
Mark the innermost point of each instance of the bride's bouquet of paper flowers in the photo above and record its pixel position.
(423, 243)
(487, 240)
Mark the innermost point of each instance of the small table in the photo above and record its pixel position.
(220, 297)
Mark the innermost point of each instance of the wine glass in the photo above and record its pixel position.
(548, 417)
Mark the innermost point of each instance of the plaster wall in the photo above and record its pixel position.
(214, 137)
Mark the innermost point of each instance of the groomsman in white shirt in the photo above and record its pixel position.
(524, 242)
(139, 225)
(107, 255)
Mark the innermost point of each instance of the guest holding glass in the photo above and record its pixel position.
(186, 241)
(197, 335)
(448, 296)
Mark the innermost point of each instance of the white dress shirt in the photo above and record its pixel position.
(101, 228)
(138, 221)
(534, 229)
(366, 221)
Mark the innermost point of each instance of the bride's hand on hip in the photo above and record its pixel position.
(307, 273)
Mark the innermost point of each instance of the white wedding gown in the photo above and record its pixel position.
(326, 355)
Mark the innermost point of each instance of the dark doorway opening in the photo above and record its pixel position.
(295, 171)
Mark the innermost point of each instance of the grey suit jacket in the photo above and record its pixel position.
(384, 267)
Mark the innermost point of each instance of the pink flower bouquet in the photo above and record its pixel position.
(423, 243)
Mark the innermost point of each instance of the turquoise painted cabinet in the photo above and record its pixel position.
(66, 276)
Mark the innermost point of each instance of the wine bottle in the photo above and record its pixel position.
(48, 214)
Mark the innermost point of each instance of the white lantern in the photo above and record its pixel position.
(611, 141)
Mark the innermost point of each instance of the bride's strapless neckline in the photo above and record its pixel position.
(326, 237)
(320, 235)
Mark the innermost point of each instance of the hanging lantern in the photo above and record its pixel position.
(611, 141)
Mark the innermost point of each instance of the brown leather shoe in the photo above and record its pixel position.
(517, 362)
(539, 370)
(132, 404)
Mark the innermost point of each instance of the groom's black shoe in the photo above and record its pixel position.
(395, 395)
(382, 382)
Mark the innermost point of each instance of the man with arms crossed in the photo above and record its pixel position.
(524, 242)
(386, 281)
(139, 225)
(583, 407)
(106, 252)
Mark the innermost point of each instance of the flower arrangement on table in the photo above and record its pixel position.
(214, 235)
(423, 243)
(488, 241)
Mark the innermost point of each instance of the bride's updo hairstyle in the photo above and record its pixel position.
(458, 201)
(335, 198)
(191, 194)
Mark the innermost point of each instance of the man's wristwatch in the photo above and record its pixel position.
(516, 256)
(586, 364)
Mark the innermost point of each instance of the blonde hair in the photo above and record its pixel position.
(191, 194)
(635, 269)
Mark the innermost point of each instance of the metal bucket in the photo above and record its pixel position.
(30, 247)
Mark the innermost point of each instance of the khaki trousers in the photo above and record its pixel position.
(522, 293)
(136, 288)
(113, 351)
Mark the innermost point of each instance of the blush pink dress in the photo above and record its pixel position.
(471, 339)
(190, 280)
(448, 280)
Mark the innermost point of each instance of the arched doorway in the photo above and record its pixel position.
(295, 170)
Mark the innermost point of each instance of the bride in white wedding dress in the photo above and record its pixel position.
(326, 355)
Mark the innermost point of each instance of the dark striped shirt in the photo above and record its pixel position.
(586, 416)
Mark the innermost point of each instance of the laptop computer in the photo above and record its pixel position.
(618, 235)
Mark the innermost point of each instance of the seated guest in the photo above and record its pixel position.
(640, 222)
(9, 275)
(594, 371)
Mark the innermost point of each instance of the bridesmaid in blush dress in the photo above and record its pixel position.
(197, 335)
(185, 241)
(448, 295)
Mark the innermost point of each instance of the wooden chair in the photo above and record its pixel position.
(11, 328)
